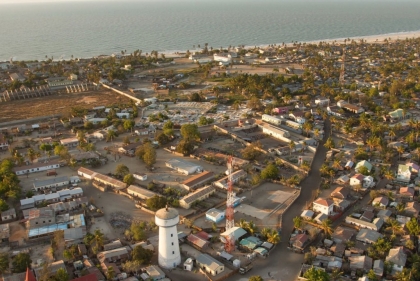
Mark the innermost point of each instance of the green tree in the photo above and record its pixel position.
(61, 275)
(372, 275)
(252, 151)
(4, 263)
(189, 132)
(270, 172)
(162, 138)
(128, 125)
(413, 227)
(20, 262)
(111, 135)
(129, 179)
(149, 156)
(168, 125)
(110, 273)
(97, 241)
(326, 227)
(88, 125)
(3, 205)
(185, 147)
(314, 274)
(156, 202)
(298, 222)
(137, 231)
(329, 143)
(122, 170)
(142, 255)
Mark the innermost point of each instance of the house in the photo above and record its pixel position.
(299, 241)
(215, 215)
(27, 203)
(414, 168)
(397, 257)
(4, 232)
(108, 181)
(183, 167)
(324, 206)
(129, 149)
(197, 241)
(4, 144)
(155, 273)
(342, 234)
(403, 173)
(384, 214)
(399, 114)
(235, 177)
(70, 142)
(17, 77)
(139, 192)
(368, 236)
(363, 163)
(368, 182)
(53, 268)
(86, 173)
(58, 81)
(271, 119)
(367, 216)
(380, 201)
(36, 167)
(197, 180)
(357, 180)
(198, 195)
(407, 193)
(281, 110)
(322, 101)
(8, 215)
(89, 277)
(320, 218)
(119, 254)
(140, 177)
(349, 165)
(376, 224)
(209, 264)
(340, 193)
(363, 263)
(412, 209)
(50, 183)
(378, 267)
(236, 232)
(307, 214)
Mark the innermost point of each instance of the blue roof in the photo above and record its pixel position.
(46, 229)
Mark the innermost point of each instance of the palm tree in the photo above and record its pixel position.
(242, 224)
(111, 135)
(329, 143)
(336, 164)
(389, 175)
(292, 146)
(298, 222)
(394, 226)
(252, 227)
(400, 151)
(273, 237)
(31, 154)
(110, 273)
(98, 240)
(326, 227)
(400, 208)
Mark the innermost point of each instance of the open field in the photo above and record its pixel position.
(56, 104)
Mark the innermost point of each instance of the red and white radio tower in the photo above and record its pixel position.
(230, 222)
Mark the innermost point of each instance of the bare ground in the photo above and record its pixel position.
(56, 104)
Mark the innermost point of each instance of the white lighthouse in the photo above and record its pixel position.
(169, 255)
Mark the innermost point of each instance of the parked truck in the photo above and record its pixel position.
(245, 268)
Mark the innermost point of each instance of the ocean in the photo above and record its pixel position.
(90, 28)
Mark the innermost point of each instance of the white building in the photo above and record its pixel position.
(51, 182)
(183, 167)
(209, 264)
(4, 144)
(222, 58)
(36, 167)
(169, 255)
(140, 177)
(324, 206)
(215, 215)
(275, 132)
(140, 192)
(271, 119)
(70, 142)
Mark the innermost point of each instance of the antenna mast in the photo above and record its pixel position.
(230, 222)
(343, 67)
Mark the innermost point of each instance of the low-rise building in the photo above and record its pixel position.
(380, 201)
(375, 225)
(215, 215)
(70, 142)
(209, 264)
(36, 167)
(155, 273)
(198, 195)
(50, 183)
(183, 167)
(324, 206)
(397, 258)
(8, 215)
(357, 180)
(197, 180)
(119, 254)
(139, 192)
(140, 177)
(4, 232)
(235, 177)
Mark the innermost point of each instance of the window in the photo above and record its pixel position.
(173, 252)
(172, 243)
(43, 221)
(172, 235)
(36, 222)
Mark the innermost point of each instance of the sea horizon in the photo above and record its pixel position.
(88, 29)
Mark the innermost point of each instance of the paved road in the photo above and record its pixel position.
(283, 264)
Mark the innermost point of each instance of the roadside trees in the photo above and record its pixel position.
(147, 154)
(122, 170)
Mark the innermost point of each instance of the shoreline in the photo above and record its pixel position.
(370, 39)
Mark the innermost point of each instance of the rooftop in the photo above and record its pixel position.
(167, 213)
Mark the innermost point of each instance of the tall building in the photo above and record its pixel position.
(169, 255)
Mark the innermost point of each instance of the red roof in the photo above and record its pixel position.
(324, 202)
(89, 277)
(29, 275)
